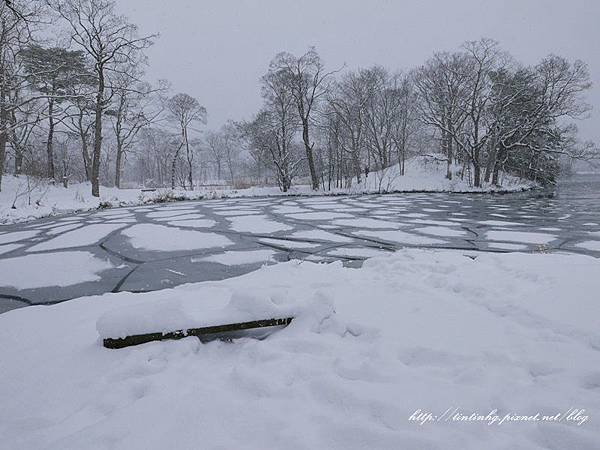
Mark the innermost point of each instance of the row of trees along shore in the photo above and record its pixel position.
(75, 105)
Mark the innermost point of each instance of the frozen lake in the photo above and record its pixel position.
(159, 246)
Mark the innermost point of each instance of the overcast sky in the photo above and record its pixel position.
(217, 50)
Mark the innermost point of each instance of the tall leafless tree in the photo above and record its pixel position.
(308, 83)
(111, 41)
(185, 110)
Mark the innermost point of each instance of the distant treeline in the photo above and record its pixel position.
(85, 111)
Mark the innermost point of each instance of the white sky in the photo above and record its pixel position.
(217, 50)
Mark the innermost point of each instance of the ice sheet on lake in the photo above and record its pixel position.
(401, 237)
(256, 224)
(63, 228)
(180, 217)
(365, 222)
(51, 269)
(520, 236)
(170, 212)
(88, 235)
(9, 248)
(357, 252)
(237, 258)
(239, 212)
(441, 223)
(289, 210)
(289, 244)
(507, 246)
(329, 206)
(414, 215)
(123, 221)
(498, 223)
(162, 238)
(589, 245)
(319, 215)
(442, 231)
(8, 238)
(198, 223)
(320, 235)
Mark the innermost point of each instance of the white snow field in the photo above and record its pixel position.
(501, 334)
(422, 174)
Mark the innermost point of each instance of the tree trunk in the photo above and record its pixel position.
(500, 159)
(450, 156)
(50, 144)
(490, 165)
(18, 160)
(3, 134)
(189, 156)
(402, 163)
(3, 111)
(98, 136)
(309, 155)
(118, 164)
(3, 139)
(174, 167)
(476, 170)
(356, 164)
(231, 173)
(84, 148)
(496, 173)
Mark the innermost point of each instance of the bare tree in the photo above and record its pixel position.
(348, 102)
(442, 88)
(55, 72)
(110, 41)
(133, 108)
(16, 20)
(185, 110)
(272, 131)
(307, 83)
(216, 148)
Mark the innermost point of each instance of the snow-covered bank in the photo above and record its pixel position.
(35, 199)
(428, 330)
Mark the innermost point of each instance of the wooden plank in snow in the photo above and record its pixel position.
(256, 328)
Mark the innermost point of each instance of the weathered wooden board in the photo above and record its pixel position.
(256, 328)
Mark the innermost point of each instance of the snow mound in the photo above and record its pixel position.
(428, 174)
(165, 315)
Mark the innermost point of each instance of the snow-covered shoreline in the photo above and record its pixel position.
(55, 200)
(419, 329)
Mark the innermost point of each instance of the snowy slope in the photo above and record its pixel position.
(498, 335)
(44, 199)
(427, 174)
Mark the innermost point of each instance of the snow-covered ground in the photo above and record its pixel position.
(498, 335)
(34, 199)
